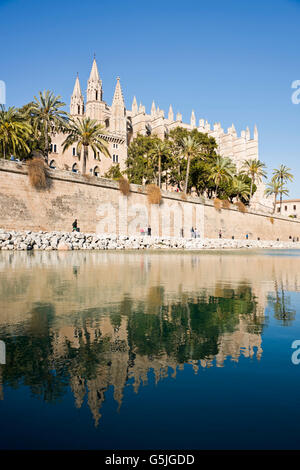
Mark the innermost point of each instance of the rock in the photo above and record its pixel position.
(62, 246)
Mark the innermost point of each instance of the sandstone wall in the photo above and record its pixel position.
(100, 207)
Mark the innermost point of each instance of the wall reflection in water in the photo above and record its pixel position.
(94, 320)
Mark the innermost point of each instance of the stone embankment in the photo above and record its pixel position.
(64, 241)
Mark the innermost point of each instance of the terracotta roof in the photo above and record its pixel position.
(288, 200)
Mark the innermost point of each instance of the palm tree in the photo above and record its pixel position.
(46, 109)
(274, 188)
(159, 149)
(221, 170)
(190, 148)
(282, 175)
(241, 189)
(86, 133)
(14, 130)
(256, 170)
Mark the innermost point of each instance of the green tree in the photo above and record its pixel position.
(46, 110)
(190, 149)
(240, 189)
(86, 133)
(159, 151)
(256, 170)
(198, 174)
(14, 131)
(142, 164)
(35, 140)
(273, 189)
(221, 170)
(114, 173)
(282, 175)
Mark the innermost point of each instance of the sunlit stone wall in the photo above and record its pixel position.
(100, 207)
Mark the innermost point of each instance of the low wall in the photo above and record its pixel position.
(100, 207)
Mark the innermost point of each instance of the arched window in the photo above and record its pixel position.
(96, 95)
(78, 109)
(75, 168)
(106, 123)
(96, 171)
(52, 165)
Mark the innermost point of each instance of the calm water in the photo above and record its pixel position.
(149, 350)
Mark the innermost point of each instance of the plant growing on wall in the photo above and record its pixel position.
(225, 204)
(217, 204)
(37, 173)
(124, 186)
(241, 206)
(153, 194)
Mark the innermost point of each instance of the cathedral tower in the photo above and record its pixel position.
(77, 102)
(118, 112)
(94, 103)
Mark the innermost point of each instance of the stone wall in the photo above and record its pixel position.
(100, 207)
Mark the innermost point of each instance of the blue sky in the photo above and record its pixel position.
(230, 61)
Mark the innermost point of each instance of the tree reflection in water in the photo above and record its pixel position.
(94, 321)
(131, 340)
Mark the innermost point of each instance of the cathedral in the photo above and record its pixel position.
(122, 125)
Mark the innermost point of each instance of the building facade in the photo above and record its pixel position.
(122, 125)
(289, 208)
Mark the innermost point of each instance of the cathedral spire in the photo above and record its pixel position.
(94, 75)
(153, 109)
(118, 111)
(77, 102)
(193, 119)
(118, 95)
(255, 136)
(134, 106)
(77, 89)
(171, 114)
(248, 133)
(94, 85)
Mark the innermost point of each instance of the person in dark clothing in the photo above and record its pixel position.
(75, 227)
(149, 231)
(220, 234)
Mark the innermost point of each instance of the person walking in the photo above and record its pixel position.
(75, 226)
(192, 232)
(149, 231)
(220, 233)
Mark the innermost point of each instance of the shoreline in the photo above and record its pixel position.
(26, 240)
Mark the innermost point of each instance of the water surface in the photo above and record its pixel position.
(149, 350)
